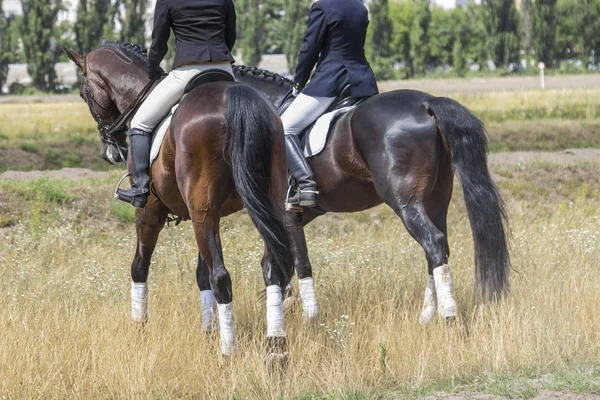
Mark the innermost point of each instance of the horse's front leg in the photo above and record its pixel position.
(148, 222)
(294, 225)
(207, 298)
(278, 355)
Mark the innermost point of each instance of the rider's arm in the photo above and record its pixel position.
(311, 48)
(160, 36)
(230, 29)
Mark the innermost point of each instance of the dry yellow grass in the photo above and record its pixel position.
(66, 333)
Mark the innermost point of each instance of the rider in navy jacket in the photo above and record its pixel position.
(334, 41)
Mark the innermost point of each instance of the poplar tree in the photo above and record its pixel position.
(544, 30)
(419, 36)
(133, 23)
(4, 56)
(294, 26)
(503, 30)
(252, 38)
(92, 17)
(39, 35)
(380, 40)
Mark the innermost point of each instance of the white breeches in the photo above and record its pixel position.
(168, 93)
(304, 111)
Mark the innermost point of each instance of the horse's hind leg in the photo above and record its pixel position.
(207, 297)
(435, 244)
(295, 228)
(149, 223)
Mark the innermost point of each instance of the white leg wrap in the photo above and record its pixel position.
(139, 302)
(443, 289)
(430, 303)
(209, 307)
(309, 299)
(228, 342)
(275, 325)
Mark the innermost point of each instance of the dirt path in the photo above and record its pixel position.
(565, 157)
(516, 83)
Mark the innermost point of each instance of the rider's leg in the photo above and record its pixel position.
(301, 113)
(154, 109)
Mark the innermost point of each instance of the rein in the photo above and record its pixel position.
(107, 131)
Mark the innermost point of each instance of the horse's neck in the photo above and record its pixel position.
(275, 91)
(125, 96)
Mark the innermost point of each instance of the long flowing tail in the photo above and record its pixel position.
(250, 123)
(465, 137)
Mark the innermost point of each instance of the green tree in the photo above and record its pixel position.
(589, 10)
(443, 32)
(294, 23)
(459, 62)
(92, 17)
(134, 21)
(380, 40)
(402, 14)
(568, 35)
(113, 16)
(419, 36)
(503, 30)
(40, 36)
(252, 38)
(544, 24)
(5, 56)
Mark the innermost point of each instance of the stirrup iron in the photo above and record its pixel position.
(127, 175)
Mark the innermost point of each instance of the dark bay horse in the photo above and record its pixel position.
(402, 148)
(224, 150)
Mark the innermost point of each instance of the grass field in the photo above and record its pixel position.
(66, 247)
(55, 135)
(64, 302)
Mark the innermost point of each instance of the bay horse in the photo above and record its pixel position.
(402, 148)
(224, 150)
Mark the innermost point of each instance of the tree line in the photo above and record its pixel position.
(406, 38)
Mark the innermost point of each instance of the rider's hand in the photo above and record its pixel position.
(153, 73)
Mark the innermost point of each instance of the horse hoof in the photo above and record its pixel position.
(289, 304)
(427, 315)
(311, 317)
(277, 362)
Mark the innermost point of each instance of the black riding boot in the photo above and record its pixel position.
(306, 194)
(139, 142)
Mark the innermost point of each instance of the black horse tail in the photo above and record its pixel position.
(252, 132)
(465, 138)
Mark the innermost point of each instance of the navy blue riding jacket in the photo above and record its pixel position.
(335, 42)
(204, 31)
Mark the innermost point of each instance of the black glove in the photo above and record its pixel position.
(153, 73)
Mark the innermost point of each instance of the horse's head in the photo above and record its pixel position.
(108, 93)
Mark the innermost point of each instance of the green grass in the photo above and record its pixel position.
(123, 212)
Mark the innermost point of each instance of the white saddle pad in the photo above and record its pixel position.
(159, 134)
(317, 137)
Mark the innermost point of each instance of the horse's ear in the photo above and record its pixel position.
(75, 57)
(105, 41)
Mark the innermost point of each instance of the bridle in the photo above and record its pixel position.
(120, 124)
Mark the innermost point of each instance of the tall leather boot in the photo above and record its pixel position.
(306, 195)
(137, 195)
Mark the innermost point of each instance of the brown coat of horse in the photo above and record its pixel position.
(223, 150)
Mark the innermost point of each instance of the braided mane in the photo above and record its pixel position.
(260, 73)
(131, 51)
(139, 54)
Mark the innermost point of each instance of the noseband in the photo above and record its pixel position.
(120, 124)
